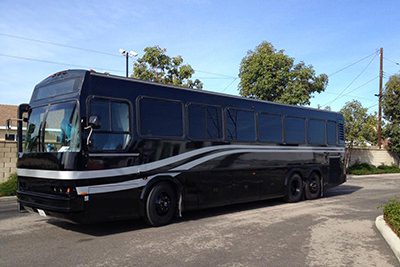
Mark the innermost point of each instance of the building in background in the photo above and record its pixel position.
(8, 112)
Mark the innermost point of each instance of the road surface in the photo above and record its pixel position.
(337, 230)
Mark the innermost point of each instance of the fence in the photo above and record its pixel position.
(374, 156)
(8, 159)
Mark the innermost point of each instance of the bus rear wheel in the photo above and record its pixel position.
(161, 204)
(313, 186)
(294, 188)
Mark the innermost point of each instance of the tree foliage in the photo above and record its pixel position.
(391, 111)
(156, 66)
(360, 126)
(268, 74)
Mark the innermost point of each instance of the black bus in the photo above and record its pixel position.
(100, 147)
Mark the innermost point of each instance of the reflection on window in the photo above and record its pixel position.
(114, 131)
(53, 128)
(205, 122)
(240, 125)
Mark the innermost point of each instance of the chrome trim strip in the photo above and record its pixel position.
(105, 188)
(69, 175)
(114, 154)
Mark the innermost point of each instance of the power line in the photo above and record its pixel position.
(58, 44)
(341, 92)
(215, 78)
(348, 93)
(352, 64)
(89, 50)
(214, 73)
(226, 87)
(56, 63)
(372, 106)
(394, 62)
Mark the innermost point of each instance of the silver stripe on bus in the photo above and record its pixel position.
(69, 175)
(105, 188)
(114, 154)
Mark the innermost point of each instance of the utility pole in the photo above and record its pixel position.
(380, 97)
(127, 54)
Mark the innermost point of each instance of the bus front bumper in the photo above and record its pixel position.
(63, 207)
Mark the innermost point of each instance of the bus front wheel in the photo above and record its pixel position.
(161, 204)
(294, 188)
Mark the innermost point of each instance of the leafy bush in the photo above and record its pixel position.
(9, 187)
(365, 168)
(391, 214)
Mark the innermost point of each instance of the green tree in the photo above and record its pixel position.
(268, 74)
(360, 127)
(391, 111)
(156, 66)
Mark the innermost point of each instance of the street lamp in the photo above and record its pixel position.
(127, 54)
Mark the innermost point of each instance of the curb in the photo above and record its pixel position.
(391, 238)
(8, 198)
(371, 175)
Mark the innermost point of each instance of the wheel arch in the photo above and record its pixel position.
(176, 185)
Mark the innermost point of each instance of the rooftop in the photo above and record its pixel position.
(7, 112)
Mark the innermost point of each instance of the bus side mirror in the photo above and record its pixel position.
(8, 124)
(94, 122)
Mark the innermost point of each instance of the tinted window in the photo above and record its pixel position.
(56, 88)
(270, 127)
(331, 132)
(294, 130)
(160, 118)
(204, 122)
(240, 125)
(120, 117)
(316, 132)
(101, 109)
(114, 131)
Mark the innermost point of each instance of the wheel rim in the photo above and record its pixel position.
(313, 185)
(295, 188)
(163, 203)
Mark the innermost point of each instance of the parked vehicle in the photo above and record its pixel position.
(103, 147)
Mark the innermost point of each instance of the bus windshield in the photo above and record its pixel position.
(53, 128)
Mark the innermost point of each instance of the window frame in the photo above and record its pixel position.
(89, 100)
(221, 112)
(159, 137)
(226, 110)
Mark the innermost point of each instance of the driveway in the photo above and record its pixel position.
(337, 230)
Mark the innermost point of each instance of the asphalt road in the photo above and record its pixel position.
(337, 230)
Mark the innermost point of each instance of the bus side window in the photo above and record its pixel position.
(316, 132)
(240, 125)
(205, 122)
(270, 127)
(331, 132)
(114, 132)
(295, 130)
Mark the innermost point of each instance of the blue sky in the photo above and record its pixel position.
(212, 36)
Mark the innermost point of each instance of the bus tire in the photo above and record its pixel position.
(313, 186)
(294, 188)
(161, 204)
